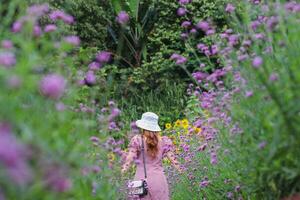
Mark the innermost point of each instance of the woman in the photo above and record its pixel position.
(155, 149)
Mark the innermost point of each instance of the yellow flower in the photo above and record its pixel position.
(168, 125)
(197, 130)
(177, 123)
(185, 123)
(111, 156)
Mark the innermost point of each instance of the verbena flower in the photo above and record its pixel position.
(181, 11)
(72, 39)
(7, 44)
(103, 56)
(53, 86)
(229, 8)
(60, 15)
(122, 18)
(7, 59)
(50, 28)
(257, 62)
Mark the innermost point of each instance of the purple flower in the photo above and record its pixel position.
(213, 158)
(233, 40)
(7, 44)
(204, 183)
(94, 66)
(17, 26)
(210, 32)
(203, 25)
(229, 195)
(37, 31)
(103, 56)
(249, 93)
(94, 139)
(262, 144)
(56, 179)
(229, 8)
(13, 156)
(53, 86)
(273, 77)
(7, 59)
(60, 15)
(255, 24)
(122, 18)
(182, 2)
(181, 60)
(272, 22)
(185, 24)
(202, 147)
(178, 58)
(257, 62)
(90, 78)
(111, 103)
(73, 40)
(50, 28)
(38, 9)
(181, 11)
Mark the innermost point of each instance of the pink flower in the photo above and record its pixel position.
(90, 78)
(203, 25)
(53, 86)
(73, 40)
(273, 77)
(17, 26)
(37, 31)
(229, 8)
(50, 28)
(181, 11)
(7, 59)
(60, 15)
(94, 66)
(257, 62)
(122, 18)
(103, 56)
(7, 44)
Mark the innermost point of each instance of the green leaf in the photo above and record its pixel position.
(134, 7)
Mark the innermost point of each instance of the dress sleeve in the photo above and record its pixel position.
(133, 148)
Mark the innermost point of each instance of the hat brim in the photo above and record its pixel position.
(143, 125)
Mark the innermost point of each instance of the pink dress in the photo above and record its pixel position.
(156, 179)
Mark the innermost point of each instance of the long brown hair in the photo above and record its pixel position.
(151, 142)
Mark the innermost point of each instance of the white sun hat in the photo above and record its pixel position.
(148, 122)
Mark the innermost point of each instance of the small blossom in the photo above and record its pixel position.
(60, 15)
(17, 26)
(249, 93)
(94, 66)
(90, 78)
(7, 44)
(103, 56)
(181, 11)
(186, 24)
(273, 77)
(53, 86)
(122, 18)
(203, 25)
(257, 62)
(182, 2)
(37, 31)
(73, 40)
(229, 8)
(7, 59)
(50, 28)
